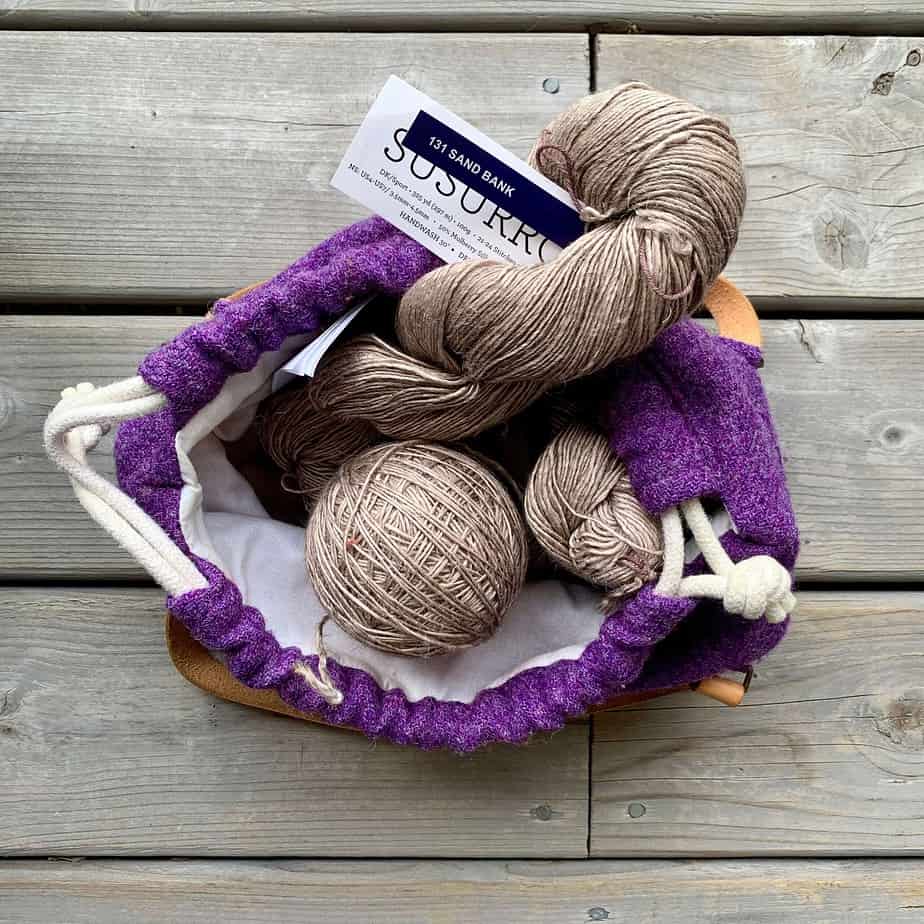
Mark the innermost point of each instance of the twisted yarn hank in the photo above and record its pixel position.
(305, 441)
(416, 549)
(582, 509)
(661, 187)
(406, 398)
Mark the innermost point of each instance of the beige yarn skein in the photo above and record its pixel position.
(406, 398)
(581, 508)
(416, 549)
(305, 441)
(660, 185)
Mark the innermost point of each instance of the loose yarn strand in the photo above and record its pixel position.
(649, 278)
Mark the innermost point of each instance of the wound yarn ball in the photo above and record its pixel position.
(582, 510)
(416, 549)
(307, 442)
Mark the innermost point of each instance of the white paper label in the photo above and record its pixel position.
(305, 363)
(450, 187)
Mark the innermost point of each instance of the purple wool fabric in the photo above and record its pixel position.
(689, 416)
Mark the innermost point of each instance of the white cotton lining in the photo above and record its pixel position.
(223, 521)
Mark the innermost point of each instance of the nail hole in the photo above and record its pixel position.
(636, 809)
(893, 435)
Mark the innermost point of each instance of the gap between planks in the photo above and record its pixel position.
(753, 17)
(390, 892)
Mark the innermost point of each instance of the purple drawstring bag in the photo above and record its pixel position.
(688, 416)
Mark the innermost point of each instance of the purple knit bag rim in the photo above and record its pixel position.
(652, 642)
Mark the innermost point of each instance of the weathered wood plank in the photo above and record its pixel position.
(834, 143)
(47, 532)
(844, 394)
(166, 165)
(887, 17)
(386, 892)
(106, 750)
(182, 165)
(825, 757)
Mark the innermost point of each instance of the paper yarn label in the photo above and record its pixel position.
(450, 187)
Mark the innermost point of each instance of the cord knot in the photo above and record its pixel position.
(759, 586)
(754, 587)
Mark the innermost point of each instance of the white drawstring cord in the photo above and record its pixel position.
(321, 681)
(74, 428)
(753, 588)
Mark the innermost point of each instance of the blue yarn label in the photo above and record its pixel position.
(450, 187)
(505, 186)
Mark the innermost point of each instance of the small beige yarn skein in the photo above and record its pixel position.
(582, 509)
(305, 441)
(415, 548)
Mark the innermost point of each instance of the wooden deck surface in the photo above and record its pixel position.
(155, 155)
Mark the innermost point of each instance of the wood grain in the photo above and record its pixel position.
(833, 140)
(845, 396)
(825, 757)
(106, 750)
(565, 892)
(163, 166)
(47, 532)
(887, 17)
(182, 166)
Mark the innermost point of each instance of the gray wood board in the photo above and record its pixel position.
(182, 166)
(48, 534)
(704, 16)
(390, 892)
(825, 756)
(165, 166)
(845, 396)
(832, 136)
(106, 750)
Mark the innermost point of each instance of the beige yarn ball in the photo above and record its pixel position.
(416, 549)
(582, 509)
